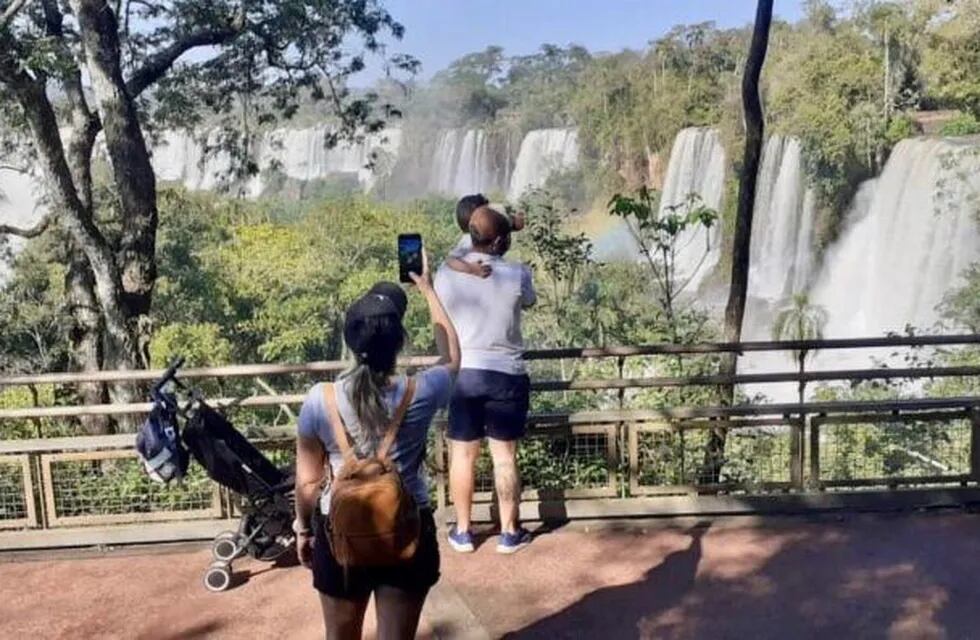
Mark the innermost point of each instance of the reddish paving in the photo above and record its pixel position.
(885, 577)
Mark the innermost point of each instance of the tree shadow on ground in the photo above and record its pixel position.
(661, 587)
(900, 577)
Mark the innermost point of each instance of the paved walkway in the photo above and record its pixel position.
(883, 577)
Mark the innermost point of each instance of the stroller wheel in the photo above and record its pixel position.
(217, 578)
(225, 546)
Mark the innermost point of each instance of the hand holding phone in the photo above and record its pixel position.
(410, 257)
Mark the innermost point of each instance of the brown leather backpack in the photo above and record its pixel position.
(373, 519)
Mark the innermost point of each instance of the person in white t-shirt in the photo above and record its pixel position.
(492, 393)
(464, 210)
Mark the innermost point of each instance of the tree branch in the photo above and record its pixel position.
(159, 63)
(31, 232)
(11, 12)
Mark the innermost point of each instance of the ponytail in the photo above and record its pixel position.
(369, 376)
(367, 399)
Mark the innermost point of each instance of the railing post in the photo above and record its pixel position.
(795, 451)
(975, 443)
(815, 452)
(622, 434)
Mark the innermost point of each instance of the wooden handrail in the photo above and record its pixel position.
(598, 416)
(69, 411)
(335, 366)
(692, 417)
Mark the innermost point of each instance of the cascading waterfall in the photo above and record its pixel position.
(300, 154)
(782, 224)
(894, 265)
(18, 205)
(697, 166)
(462, 163)
(542, 153)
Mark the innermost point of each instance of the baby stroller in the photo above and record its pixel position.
(265, 529)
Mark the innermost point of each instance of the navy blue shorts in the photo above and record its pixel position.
(489, 404)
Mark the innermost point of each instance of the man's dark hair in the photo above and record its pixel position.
(465, 208)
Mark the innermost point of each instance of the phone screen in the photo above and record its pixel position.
(409, 255)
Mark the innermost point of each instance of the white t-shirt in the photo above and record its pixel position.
(487, 312)
(462, 248)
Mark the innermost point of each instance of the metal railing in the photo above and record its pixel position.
(615, 432)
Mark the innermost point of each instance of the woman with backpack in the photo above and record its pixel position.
(364, 526)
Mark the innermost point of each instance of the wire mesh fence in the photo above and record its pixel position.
(897, 449)
(580, 460)
(112, 486)
(14, 494)
(673, 458)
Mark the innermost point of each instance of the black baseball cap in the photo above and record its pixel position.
(373, 323)
(394, 293)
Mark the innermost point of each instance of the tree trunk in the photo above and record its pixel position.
(735, 310)
(86, 338)
(132, 171)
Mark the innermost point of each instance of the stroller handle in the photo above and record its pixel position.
(169, 374)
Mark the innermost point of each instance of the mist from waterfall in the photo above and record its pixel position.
(298, 154)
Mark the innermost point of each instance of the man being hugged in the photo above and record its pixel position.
(491, 396)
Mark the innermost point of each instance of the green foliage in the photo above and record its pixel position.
(659, 234)
(964, 124)
(201, 345)
(32, 312)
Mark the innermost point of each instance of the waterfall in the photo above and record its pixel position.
(898, 258)
(782, 224)
(462, 163)
(542, 152)
(299, 154)
(18, 206)
(697, 165)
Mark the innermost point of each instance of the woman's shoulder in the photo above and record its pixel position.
(312, 414)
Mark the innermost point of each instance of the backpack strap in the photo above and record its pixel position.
(397, 418)
(336, 422)
(340, 431)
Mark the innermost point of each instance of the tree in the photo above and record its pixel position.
(800, 320)
(72, 71)
(658, 235)
(735, 309)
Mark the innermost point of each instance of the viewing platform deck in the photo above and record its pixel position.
(882, 576)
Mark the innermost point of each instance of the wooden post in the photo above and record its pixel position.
(815, 453)
(975, 443)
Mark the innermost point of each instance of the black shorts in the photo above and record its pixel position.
(489, 404)
(416, 576)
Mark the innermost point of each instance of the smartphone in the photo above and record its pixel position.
(409, 255)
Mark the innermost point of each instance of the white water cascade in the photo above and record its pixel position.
(894, 264)
(18, 205)
(782, 253)
(462, 163)
(697, 166)
(542, 153)
(299, 154)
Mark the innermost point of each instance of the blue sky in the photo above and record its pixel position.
(439, 31)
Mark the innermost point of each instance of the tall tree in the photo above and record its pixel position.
(72, 70)
(738, 290)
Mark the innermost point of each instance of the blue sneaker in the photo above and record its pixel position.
(513, 542)
(460, 541)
